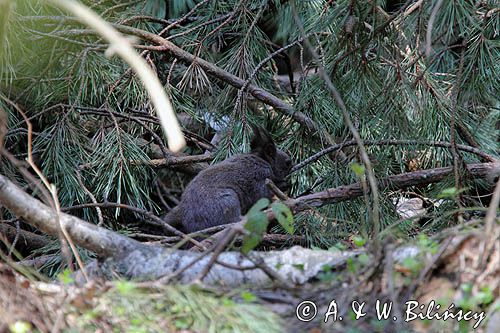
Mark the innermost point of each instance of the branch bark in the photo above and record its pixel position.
(26, 239)
(103, 242)
(416, 178)
(132, 259)
(135, 260)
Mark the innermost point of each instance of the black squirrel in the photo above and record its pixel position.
(225, 191)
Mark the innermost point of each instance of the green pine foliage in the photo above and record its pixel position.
(81, 102)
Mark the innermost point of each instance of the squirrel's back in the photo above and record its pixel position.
(225, 191)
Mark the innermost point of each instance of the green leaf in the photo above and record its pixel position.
(125, 287)
(351, 267)
(326, 268)
(259, 206)
(65, 277)
(359, 170)
(250, 242)
(412, 264)
(256, 224)
(248, 297)
(364, 259)
(228, 302)
(20, 327)
(448, 193)
(359, 241)
(484, 296)
(136, 321)
(284, 216)
(337, 247)
(182, 323)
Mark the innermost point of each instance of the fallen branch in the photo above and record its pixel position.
(103, 242)
(416, 178)
(25, 238)
(132, 259)
(177, 160)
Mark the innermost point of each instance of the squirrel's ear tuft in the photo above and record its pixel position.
(262, 144)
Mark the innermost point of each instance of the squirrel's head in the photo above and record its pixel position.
(263, 146)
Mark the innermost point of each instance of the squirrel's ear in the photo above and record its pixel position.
(262, 144)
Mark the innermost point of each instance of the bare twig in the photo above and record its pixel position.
(489, 220)
(199, 26)
(53, 193)
(428, 36)
(219, 27)
(264, 61)
(16, 238)
(92, 197)
(103, 242)
(442, 144)
(492, 210)
(184, 18)
(259, 262)
(221, 74)
(177, 160)
(157, 221)
(270, 184)
(169, 277)
(454, 151)
(229, 235)
(32, 240)
(375, 209)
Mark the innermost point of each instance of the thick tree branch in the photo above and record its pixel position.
(133, 259)
(401, 181)
(103, 242)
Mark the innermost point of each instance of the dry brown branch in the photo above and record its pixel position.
(136, 260)
(221, 74)
(374, 207)
(178, 160)
(156, 220)
(26, 238)
(484, 156)
(400, 181)
(228, 237)
(103, 242)
(492, 210)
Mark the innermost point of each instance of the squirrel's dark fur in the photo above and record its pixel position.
(225, 191)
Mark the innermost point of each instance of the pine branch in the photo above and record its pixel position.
(229, 78)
